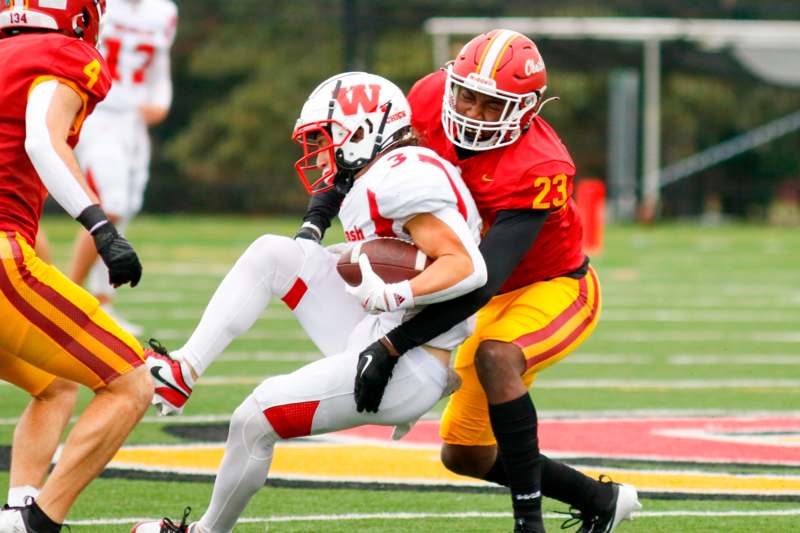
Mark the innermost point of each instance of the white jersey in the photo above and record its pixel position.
(400, 185)
(136, 37)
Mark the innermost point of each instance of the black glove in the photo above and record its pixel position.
(375, 366)
(117, 253)
(309, 231)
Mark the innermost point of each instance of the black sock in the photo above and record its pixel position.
(567, 485)
(37, 521)
(514, 426)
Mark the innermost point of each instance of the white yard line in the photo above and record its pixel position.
(422, 516)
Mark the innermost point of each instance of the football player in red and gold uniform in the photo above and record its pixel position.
(542, 298)
(52, 331)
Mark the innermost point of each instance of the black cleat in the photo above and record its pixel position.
(624, 502)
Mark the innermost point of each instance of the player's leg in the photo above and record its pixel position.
(56, 326)
(566, 311)
(42, 422)
(301, 273)
(315, 399)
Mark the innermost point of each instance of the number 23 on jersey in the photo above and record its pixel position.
(553, 191)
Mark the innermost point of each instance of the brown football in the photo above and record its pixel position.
(393, 260)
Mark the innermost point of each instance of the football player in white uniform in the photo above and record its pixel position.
(355, 131)
(114, 151)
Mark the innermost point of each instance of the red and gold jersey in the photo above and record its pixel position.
(27, 60)
(535, 172)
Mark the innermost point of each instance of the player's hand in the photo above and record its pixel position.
(375, 366)
(309, 231)
(377, 296)
(118, 255)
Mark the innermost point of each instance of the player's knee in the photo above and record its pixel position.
(249, 426)
(496, 361)
(273, 255)
(61, 390)
(137, 388)
(465, 460)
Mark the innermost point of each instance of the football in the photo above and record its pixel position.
(393, 260)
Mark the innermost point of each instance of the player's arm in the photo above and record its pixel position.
(503, 247)
(322, 208)
(155, 110)
(49, 117)
(50, 114)
(457, 266)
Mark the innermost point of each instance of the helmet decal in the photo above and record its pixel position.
(354, 97)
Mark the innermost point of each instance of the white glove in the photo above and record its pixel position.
(377, 296)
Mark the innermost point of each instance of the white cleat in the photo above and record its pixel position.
(172, 380)
(11, 521)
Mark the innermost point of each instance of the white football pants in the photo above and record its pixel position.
(317, 398)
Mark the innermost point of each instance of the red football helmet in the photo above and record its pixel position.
(74, 18)
(502, 64)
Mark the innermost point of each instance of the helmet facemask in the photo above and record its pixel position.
(471, 134)
(317, 168)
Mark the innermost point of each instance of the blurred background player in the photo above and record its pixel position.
(53, 332)
(356, 135)
(542, 298)
(114, 151)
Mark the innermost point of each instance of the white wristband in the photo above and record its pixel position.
(399, 295)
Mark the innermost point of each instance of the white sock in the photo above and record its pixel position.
(268, 265)
(244, 468)
(18, 495)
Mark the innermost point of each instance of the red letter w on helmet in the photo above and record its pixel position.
(350, 98)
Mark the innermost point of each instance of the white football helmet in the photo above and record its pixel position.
(347, 121)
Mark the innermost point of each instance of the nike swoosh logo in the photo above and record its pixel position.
(485, 177)
(369, 361)
(156, 373)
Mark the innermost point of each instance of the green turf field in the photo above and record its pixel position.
(695, 320)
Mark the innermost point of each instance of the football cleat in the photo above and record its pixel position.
(624, 502)
(11, 520)
(165, 525)
(172, 380)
